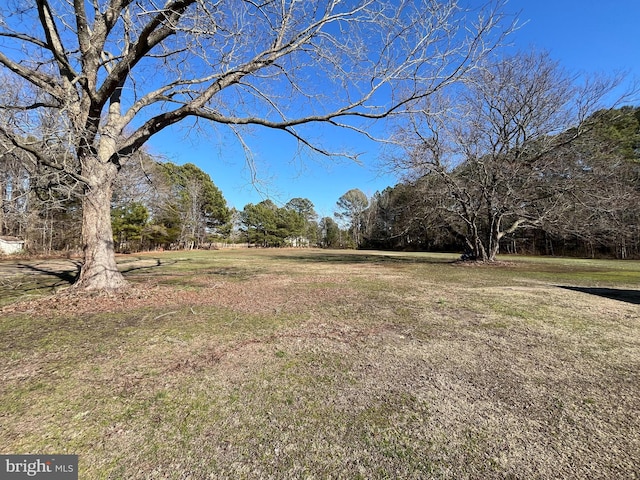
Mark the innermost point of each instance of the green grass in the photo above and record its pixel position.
(314, 364)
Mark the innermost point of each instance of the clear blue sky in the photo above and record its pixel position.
(583, 35)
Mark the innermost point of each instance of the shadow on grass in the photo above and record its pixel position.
(69, 274)
(629, 296)
(178, 275)
(65, 275)
(145, 268)
(38, 279)
(46, 277)
(368, 258)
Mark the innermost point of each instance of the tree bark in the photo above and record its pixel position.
(3, 199)
(494, 247)
(99, 270)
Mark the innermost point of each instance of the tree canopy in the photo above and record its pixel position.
(578, 197)
(97, 80)
(505, 154)
(351, 207)
(267, 225)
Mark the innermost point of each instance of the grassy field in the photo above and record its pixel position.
(326, 364)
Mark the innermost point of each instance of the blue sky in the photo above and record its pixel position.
(583, 35)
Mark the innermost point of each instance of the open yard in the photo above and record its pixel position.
(326, 364)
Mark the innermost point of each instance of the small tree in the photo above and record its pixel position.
(15, 180)
(304, 208)
(329, 233)
(128, 225)
(352, 206)
(199, 204)
(260, 223)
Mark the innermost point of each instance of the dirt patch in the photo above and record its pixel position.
(263, 294)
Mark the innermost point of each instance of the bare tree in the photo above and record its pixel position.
(116, 72)
(502, 147)
(14, 182)
(34, 194)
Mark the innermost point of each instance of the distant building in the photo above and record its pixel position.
(9, 245)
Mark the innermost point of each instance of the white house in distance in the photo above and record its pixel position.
(9, 245)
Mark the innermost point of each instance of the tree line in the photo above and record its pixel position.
(155, 205)
(581, 198)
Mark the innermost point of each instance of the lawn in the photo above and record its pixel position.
(283, 363)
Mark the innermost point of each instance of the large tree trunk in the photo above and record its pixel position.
(99, 270)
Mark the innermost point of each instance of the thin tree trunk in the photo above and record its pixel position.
(50, 244)
(475, 244)
(99, 270)
(3, 200)
(493, 241)
(493, 251)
